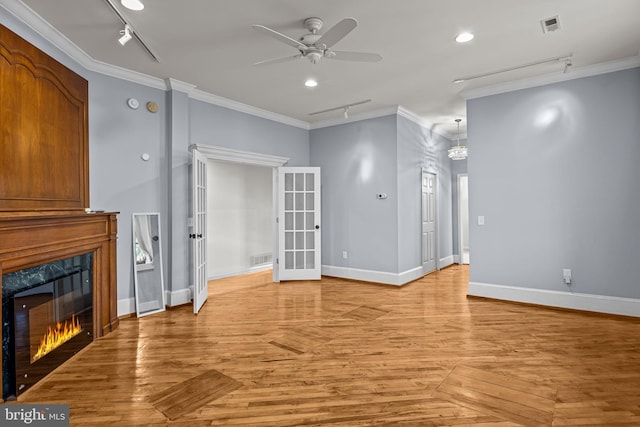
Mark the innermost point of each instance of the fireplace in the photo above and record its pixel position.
(47, 317)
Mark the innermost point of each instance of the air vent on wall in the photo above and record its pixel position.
(550, 24)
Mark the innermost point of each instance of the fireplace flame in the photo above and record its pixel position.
(55, 337)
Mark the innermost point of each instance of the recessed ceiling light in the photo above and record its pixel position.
(464, 37)
(311, 83)
(132, 4)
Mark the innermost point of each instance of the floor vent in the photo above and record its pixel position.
(550, 24)
(261, 259)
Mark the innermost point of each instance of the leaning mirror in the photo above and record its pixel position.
(147, 264)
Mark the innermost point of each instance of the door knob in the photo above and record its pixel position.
(317, 227)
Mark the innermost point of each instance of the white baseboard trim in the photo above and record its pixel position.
(576, 301)
(397, 279)
(456, 259)
(179, 297)
(238, 273)
(446, 261)
(126, 306)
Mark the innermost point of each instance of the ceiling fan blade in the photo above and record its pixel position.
(356, 56)
(278, 60)
(281, 37)
(337, 32)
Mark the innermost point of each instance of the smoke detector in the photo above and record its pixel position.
(550, 24)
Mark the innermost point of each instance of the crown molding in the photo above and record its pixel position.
(410, 115)
(35, 22)
(545, 79)
(173, 84)
(248, 109)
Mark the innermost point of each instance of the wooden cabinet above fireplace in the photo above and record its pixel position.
(44, 162)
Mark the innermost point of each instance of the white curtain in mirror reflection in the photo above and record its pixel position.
(143, 242)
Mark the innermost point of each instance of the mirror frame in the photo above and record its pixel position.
(156, 263)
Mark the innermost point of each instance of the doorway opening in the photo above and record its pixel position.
(235, 157)
(463, 219)
(239, 220)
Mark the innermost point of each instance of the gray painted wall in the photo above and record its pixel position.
(554, 170)
(120, 180)
(381, 155)
(419, 147)
(358, 160)
(221, 127)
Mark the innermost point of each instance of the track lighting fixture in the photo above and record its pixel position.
(125, 35)
(132, 4)
(566, 59)
(344, 108)
(129, 32)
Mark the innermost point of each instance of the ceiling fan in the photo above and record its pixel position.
(315, 46)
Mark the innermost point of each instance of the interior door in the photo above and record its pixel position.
(429, 255)
(299, 233)
(199, 231)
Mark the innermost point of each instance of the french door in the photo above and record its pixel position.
(299, 245)
(199, 231)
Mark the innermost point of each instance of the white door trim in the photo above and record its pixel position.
(459, 225)
(254, 159)
(238, 156)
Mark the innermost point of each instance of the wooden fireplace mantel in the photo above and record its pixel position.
(28, 239)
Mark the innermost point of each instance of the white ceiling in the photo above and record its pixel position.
(211, 44)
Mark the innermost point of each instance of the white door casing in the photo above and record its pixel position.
(463, 219)
(199, 231)
(429, 225)
(299, 233)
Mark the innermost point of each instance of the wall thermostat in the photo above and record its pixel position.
(133, 103)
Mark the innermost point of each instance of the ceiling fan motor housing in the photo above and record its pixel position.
(313, 24)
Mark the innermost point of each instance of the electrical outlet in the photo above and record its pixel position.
(345, 255)
(566, 275)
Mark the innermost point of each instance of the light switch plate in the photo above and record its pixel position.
(480, 219)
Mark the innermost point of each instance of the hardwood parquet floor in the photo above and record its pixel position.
(340, 352)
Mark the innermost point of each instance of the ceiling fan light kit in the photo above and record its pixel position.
(132, 4)
(314, 46)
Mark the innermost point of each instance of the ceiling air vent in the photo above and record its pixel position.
(550, 24)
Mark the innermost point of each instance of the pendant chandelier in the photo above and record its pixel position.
(458, 152)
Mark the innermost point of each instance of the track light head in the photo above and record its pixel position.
(346, 112)
(125, 35)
